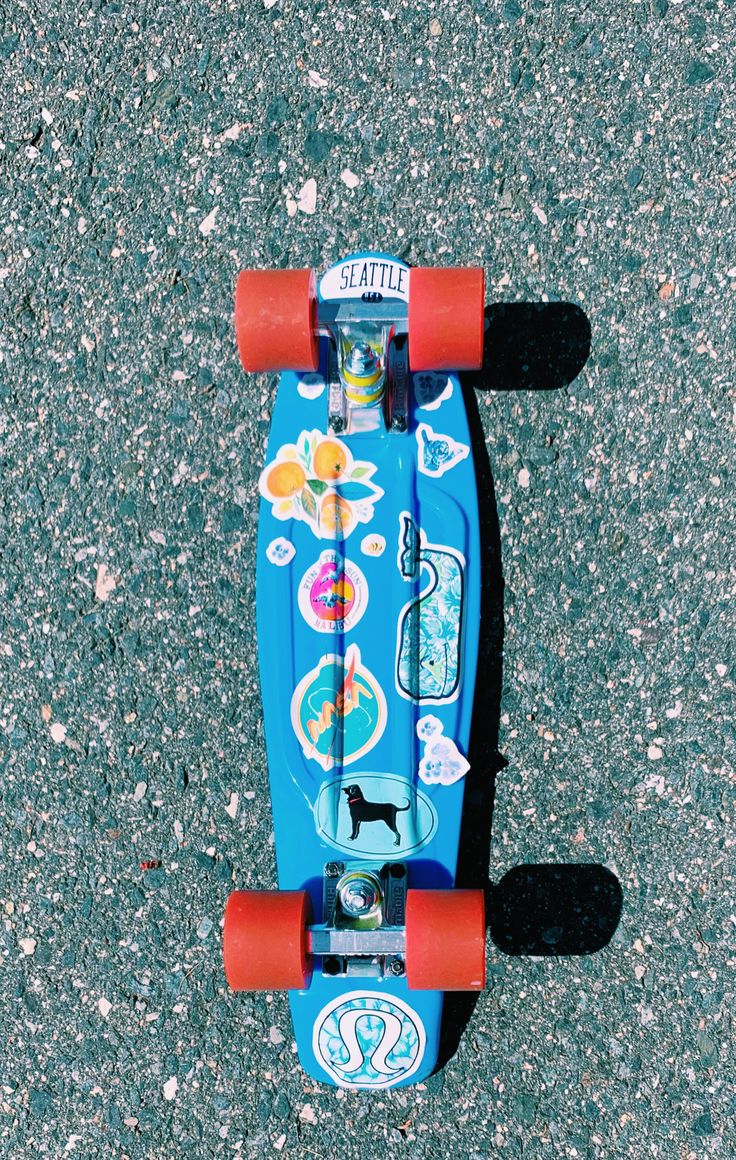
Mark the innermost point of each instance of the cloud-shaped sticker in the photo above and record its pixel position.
(442, 763)
(280, 552)
(310, 386)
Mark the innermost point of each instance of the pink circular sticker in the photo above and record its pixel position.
(333, 593)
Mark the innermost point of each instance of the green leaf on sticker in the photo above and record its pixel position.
(360, 472)
(318, 486)
(308, 503)
(353, 492)
(305, 450)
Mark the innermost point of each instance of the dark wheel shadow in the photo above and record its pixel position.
(552, 909)
(528, 346)
(532, 346)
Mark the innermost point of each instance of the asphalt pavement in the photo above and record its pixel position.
(583, 154)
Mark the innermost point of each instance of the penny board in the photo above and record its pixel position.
(367, 650)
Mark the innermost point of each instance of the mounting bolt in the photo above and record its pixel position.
(359, 894)
(333, 870)
(396, 966)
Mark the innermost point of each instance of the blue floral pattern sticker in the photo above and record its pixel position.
(367, 1040)
(429, 634)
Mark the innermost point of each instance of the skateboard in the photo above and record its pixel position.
(367, 606)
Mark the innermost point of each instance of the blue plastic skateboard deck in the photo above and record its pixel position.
(368, 604)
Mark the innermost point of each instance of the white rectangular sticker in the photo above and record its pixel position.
(357, 277)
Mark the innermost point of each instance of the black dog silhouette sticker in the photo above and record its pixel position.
(365, 811)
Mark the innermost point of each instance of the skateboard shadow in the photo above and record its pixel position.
(553, 909)
(532, 346)
(536, 910)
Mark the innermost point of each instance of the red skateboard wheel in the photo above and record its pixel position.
(446, 319)
(275, 320)
(445, 940)
(264, 943)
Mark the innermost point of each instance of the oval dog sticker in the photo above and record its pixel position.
(374, 814)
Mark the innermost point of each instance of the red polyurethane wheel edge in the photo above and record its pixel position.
(446, 318)
(264, 941)
(445, 940)
(275, 320)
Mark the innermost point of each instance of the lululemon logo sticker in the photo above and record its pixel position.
(338, 710)
(367, 1040)
(333, 593)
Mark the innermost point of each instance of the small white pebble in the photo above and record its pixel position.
(233, 132)
(170, 1088)
(291, 206)
(315, 80)
(207, 224)
(27, 945)
(654, 753)
(306, 199)
(435, 28)
(276, 1036)
(523, 477)
(158, 538)
(105, 1007)
(58, 732)
(721, 670)
(350, 179)
(178, 831)
(232, 807)
(104, 583)
(47, 116)
(308, 1115)
(140, 791)
(674, 711)
(539, 213)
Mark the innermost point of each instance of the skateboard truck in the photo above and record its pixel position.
(364, 929)
(426, 320)
(368, 364)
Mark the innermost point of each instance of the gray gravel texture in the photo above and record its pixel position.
(581, 154)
